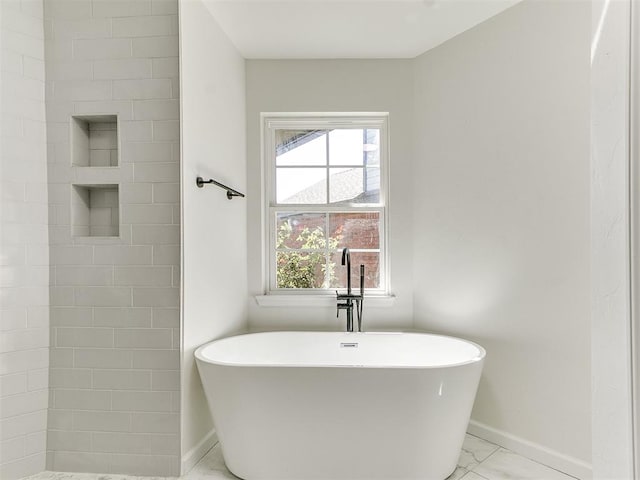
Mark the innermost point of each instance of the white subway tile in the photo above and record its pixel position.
(166, 130)
(38, 379)
(102, 358)
(37, 443)
(166, 193)
(165, 444)
(155, 422)
(136, 193)
(156, 297)
(23, 467)
(23, 44)
(78, 461)
(155, 47)
(61, 357)
(144, 89)
(167, 380)
(142, 401)
(164, 7)
(20, 21)
(81, 90)
(84, 337)
(153, 359)
(166, 255)
(147, 26)
(102, 421)
(70, 316)
(166, 67)
(112, 442)
(103, 296)
(123, 317)
(13, 384)
(146, 152)
(156, 110)
(23, 403)
(82, 400)
(157, 172)
(70, 378)
(121, 380)
(34, 8)
(148, 465)
(24, 339)
(101, 48)
(85, 28)
(71, 255)
(141, 131)
(13, 318)
(84, 276)
(121, 8)
(143, 276)
(122, 255)
(156, 235)
(147, 214)
(38, 316)
(60, 419)
(57, 50)
(68, 441)
(13, 449)
(33, 68)
(122, 68)
(23, 424)
(143, 338)
(67, 9)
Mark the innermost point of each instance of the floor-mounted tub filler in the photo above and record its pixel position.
(329, 405)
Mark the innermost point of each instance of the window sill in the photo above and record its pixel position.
(374, 301)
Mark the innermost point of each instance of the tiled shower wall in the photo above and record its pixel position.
(114, 378)
(24, 252)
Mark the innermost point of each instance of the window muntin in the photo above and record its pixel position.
(326, 190)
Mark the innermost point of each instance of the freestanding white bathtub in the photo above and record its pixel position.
(329, 405)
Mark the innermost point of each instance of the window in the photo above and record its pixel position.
(326, 183)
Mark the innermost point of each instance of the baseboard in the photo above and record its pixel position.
(193, 456)
(564, 463)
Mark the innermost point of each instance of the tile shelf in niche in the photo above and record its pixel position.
(94, 141)
(95, 211)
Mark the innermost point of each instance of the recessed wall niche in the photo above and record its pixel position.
(95, 211)
(94, 141)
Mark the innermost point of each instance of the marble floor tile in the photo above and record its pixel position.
(479, 460)
(506, 465)
(211, 467)
(474, 451)
(473, 476)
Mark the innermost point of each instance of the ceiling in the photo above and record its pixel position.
(313, 29)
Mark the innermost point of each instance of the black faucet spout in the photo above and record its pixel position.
(346, 260)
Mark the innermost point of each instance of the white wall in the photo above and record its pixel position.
(610, 299)
(334, 86)
(501, 219)
(214, 228)
(24, 251)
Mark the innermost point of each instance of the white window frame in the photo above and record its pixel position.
(270, 122)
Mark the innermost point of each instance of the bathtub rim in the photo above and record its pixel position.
(478, 359)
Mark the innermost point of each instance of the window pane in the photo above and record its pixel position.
(354, 185)
(300, 269)
(345, 184)
(355, 230)
(372, 146)
(301, 147)
(371, 262)
(346, 147)
(301, 185)
(301, 230)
